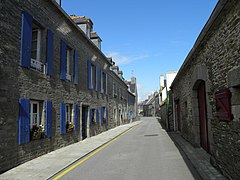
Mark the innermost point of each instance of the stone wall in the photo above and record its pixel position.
(19, 82)
(214, 60)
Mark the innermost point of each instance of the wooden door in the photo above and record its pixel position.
(203, 116)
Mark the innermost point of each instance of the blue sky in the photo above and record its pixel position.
(145, 38)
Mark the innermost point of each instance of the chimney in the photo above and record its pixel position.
(85, 24)
(96, 39)
(120, 74)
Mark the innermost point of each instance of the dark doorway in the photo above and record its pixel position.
(178, 115)
(84, 122)
(203, 116)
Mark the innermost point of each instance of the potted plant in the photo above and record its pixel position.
(37, 132)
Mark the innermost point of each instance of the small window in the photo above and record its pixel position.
(69, 64)
(69, 118)
(37, 120)
(93, 76)
(36, 48)
(103, 82)
(93, 119)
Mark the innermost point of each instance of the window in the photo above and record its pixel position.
(114, 90)
(103, 82)
(92, 117)
(34, 114)
(36, 48)
(68, 63)
(37, 120)
(92, 76)
(68, 74)
(69, 118)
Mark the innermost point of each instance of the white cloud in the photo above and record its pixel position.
(121, 59)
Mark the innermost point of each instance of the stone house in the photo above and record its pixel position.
(56, 83)
(206, 94)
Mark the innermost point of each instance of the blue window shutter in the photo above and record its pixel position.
(101, 80)
(97, 116)
(106, 115)
(89, 75)
(26, 40)
(106, 91)
(62, 118)
(75, 67)
(90, 118)
(48, 118)
(24, 121)
(49, 53)
(101, 114)
(76, 127)
(96, 79)
(63, 60)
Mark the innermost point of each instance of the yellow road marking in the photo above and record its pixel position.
(89, 156)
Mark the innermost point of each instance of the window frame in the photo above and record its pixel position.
(35, 62)
(32, 102)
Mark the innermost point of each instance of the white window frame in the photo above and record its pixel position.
(69, 114)
(36, 63)
(68, 74)
(92, 75)
(32, 115)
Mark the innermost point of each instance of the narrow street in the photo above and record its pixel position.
(145, 152)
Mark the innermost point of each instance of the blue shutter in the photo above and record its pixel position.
(90, 118)
(89, 75)
(24, 121)
(49, 60)
(62, 118)
(107, 116)
(97, 116)
(26, 40)
(106, 84)
(101, 80)
(63, 60)
(96, 74)
(75, 67)
(48, 118)
(101, 114)
(76, 128)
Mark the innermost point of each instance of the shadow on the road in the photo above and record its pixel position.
(190, 166)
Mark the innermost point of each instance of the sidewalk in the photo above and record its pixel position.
(199, 158)
(49, 164)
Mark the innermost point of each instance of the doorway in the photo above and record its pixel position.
(203, 122)
(84, 122)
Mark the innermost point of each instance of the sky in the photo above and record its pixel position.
(145, 38)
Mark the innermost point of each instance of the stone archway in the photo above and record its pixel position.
(201, 108)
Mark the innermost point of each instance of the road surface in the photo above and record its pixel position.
(146, 152)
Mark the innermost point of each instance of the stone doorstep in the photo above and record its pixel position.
(198, 157)
(22, 171)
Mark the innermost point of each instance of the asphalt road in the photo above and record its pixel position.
(144, 153)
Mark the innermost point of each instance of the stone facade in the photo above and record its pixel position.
(200, 89)
(38, 86)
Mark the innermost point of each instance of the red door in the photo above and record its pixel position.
(203, 116)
